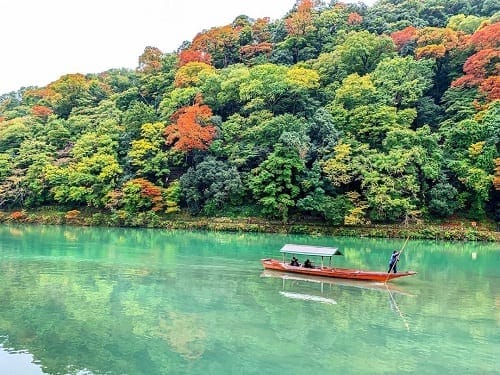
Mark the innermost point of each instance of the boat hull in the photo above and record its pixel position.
(340, 273)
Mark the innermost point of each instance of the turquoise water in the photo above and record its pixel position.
(141, 301)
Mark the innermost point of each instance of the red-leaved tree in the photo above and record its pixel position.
(191, 128)
(403, 37)
(190, 55)
(41, 111)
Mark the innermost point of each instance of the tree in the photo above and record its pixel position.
(137, 114)
(300, 21)
(142, 195)
(370, 123)
(41, 111)
(405, 40)
(147, 154)
(151, 60)
(221, 43)
(434, 42)
(191, 128)
(448, 49)
(12, 133)
(211, 186)
(486, 37)
(188, 55)
(402, 81)
(467, 24)
(278, 89)
(362, 51)
(340, 169)
(192, 74)
(470, 148)
(72, 91)
(390, 190)
(274, 183)
(480, 70)
(356, 91)
(443, 200)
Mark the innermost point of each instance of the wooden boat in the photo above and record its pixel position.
(322, 270)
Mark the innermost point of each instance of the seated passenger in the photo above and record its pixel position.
(308, 264)
(294, 262)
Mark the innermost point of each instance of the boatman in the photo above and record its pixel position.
(393, 262)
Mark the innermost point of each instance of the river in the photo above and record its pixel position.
(76, 300)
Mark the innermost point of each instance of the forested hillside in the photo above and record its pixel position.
(341, 113)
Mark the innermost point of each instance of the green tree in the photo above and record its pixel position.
(402, 81)
(211, 186)
(361, 52)
(468, 24)
(470, 147)
(148, 155)
(274, 183)
(443, 200)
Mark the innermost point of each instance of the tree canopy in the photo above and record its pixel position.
(341, 113)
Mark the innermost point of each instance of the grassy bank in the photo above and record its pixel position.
(457, 229)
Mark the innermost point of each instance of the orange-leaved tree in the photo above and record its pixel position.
(191, 55)
(404, 37)
(191, 128)
(486, 37)
(354, 18)
(221, 43)
(140, 194)
(300, 22)
(41, 111)
(436, 42)
(151, 60)
(482, 69)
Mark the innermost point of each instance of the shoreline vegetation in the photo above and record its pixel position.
(457, 229)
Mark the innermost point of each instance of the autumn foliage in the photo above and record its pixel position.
(150, 60)
(260, 30)
(403, 37)
(190, 55)
(300, 21)
(17, 215)
(491, 88)
(189, 74)
(354, 19)
(482, 69)
(148, 194)
(487, 37)
(191, 128)
(253, 50)
(416, 111)
(217, 41)
(435, 42)
(41, 111)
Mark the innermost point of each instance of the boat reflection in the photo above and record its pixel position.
(323, 281)
(308, 297)
(329, 286)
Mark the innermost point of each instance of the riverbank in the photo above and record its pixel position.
(456, 229)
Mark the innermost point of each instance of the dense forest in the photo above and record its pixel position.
(337, 113)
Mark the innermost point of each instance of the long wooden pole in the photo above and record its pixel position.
(400, 251)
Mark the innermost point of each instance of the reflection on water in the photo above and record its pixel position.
(308, 297)
(127, 301)
(17, 363)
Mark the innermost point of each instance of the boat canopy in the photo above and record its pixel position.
(310, 250)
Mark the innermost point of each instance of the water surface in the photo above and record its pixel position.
(142, 301)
